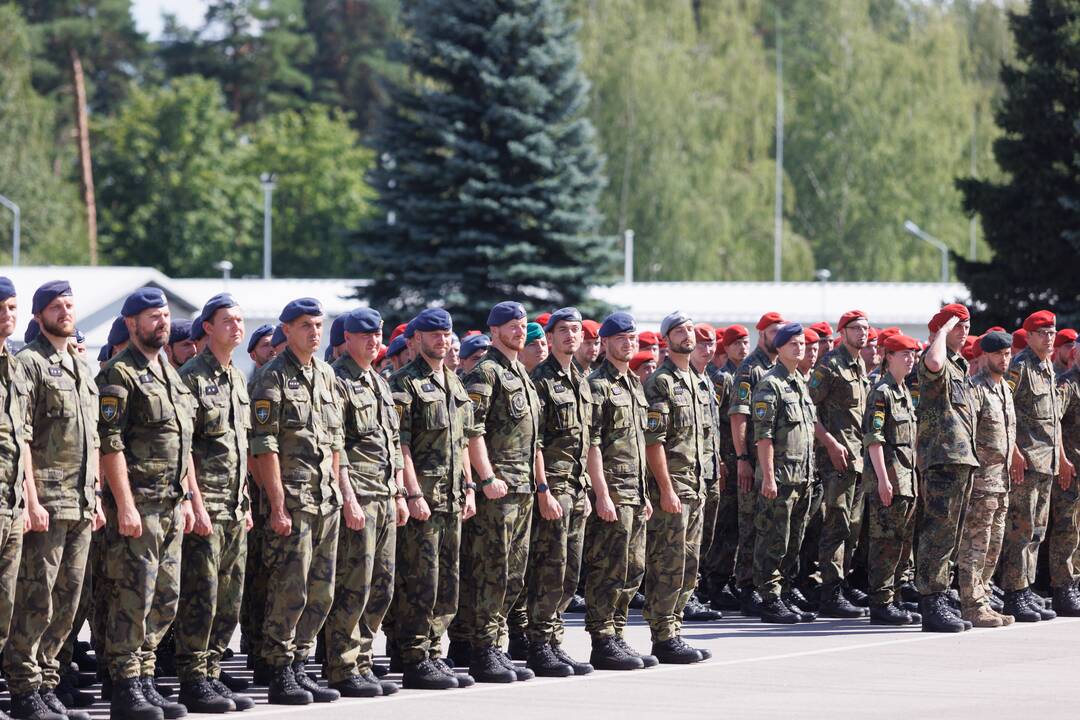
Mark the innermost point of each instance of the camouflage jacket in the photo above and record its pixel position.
(1038, 411)
(565, 420)
(372, 439)
(220, 441)
(62, 410)
(506, 412)
(619, 420)
(785, 414)
(435, 418)
(14, 431)
(1069, 392)
(946, 430)
(889, 421)
(839, 387)
(680, 419)
(723, 380)
(750, 371)
(294, 411)
(995, 433)
(146, 412)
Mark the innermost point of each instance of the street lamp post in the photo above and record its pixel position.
(931, 240)
(14, 229)
(268, 193)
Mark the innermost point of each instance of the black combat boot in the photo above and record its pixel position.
(936, 616)
(262, 674)
(284, 689)
(579, 668)
(520, 673)
(1016, 606)
(776, 612)
(835, 605)
(518, 647)
(87, 663)
(607, 654)
(31, 707)
(127, 702)
(705, 654)
(53, 703)
(199, 696)
(888, 615)
(793, 604)
(460, 653)
(358, 687)
(723, 598)
(426, 675)
(694, 611)
(576, 606)
(487, 666)
(646, 660)
(171, 710)
(318, 693)
(674, 652)
(749, 601)
(232, 682)
(70, 695)
(388, 687)
(1067, 601)
(855, 596)
(464, 680)
(1037, 603)
(914, 618)
(242, 702)
(542, 661)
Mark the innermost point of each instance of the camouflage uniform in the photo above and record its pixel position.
(785, 414)
(718, 558)
(945, 457)
(14, 432)
(435, 414)
(365, 560)
(890, 422)
(839, 387)
(1038, 435)
(212, 572)
(680, 419)
(495, 543)
(984, 524)
(555, 552)
(615, 551)
(1064, 537)
(296, 416)
(62, 411)
(750, 372)
(145, 413)
(253, 600)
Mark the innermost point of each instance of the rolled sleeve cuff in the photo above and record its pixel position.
(263, 444)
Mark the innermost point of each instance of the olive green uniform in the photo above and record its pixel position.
(253, 600)
(1065, 536)
(719, 546)
(14, 433)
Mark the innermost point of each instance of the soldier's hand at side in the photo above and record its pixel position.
(495, 490)
(1068, 474)
(884, 491)
(468, 509)
(201, 522)
(746, 475)
(418, 509)
(281, 522)
(401, 510)
(188, 517)
(670, 503)
(550, 509)
(99, 518)
(249, 522)
(1019, 465)
(37, 518)
(768, 487)
(130, 521)
(838, 456)
(354, 516)
(588, 508)
(721, 476)
(605, 509)
(648, 509)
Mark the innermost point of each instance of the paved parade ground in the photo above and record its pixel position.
(829, 668)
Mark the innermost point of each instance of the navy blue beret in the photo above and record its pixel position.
(260, 332)
(196, 331)
(674, 320)
(118, 333)
(363, 320)
(49, 292)
(995, 341)
(279, 337)
(179, 331)
(616, 323)
(32, 331)
(218, 302)
(396, 346)
(410, 328)
(432, 320)
(473, 344)
(566, 314)
(143, 299)
(337, 331)
(504, 312)
(7, 288)
(786, 332)
(104, 353)
(328, 353)
(79, 337)
(299, 308)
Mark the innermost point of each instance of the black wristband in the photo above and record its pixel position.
(470, 486)
(746, 457)
(414, 497)
(485, 483)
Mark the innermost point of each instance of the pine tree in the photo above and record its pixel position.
(488, 175)
(1029, 219)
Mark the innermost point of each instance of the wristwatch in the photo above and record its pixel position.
(542, 487)
(187, 496)
(745, 456)
(470, 486)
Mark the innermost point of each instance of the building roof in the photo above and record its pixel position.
(265, 298)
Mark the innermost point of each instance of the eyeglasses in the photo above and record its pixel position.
(1045, 332)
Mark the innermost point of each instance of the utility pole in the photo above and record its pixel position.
(14, 229)
(778, 210)
(268, 195)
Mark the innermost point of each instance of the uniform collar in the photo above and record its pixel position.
(46, 349)
(211, 361)
(569, 373)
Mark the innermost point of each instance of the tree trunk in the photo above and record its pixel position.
(86, 174)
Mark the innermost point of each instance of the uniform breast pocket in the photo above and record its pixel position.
(215, 411)
(1042, 402)
(517, 402)
(60, 400)
(791, 430)
(158, 409)
(622, 411)
(901, 432)
(243, 405)
(434, 413)
(958, 392)
(364, 414)
(331, 413)
(295, 409)
(682, 411)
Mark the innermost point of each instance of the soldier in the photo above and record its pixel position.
(1064, 536)
(277, 341)
(473, 349)
(1038, 458)
(825, 337)
(435, 415)
(649, 342)
(643, 364)
(810, 358)
(336, 347)
(1064, 343)
(398, 354)
(615, 533)
(259, 348)
(749, 371)
(838, 387)
(784, 440)
(145, 430)
(586, 355)
(562, 504)
(871, 353)
(503, 450)
(984, 522)
(180, 348)
(296, 446)
(453, 358)
(889, 474)
(118, 337)
(197, 335)
(212, 572)
(945, 459)
(536, 347)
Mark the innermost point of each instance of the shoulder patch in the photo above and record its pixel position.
(653, 420)
(879, 420)
(744, 391)
(815, 378)
(760, 409)
(110, 407)
(262, 411)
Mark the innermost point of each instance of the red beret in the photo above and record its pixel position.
(1065, 336)
(872, 335)
(996, 328)
(943, 315)
(542, 319)
(642, 357)
(887, 333)
(810, 335)
(976, 348)
(397, 331)
(648, 339)
(590, 329)
(769, 318)
(733, 333)
(823, 329)
(850, 316)
(704, 332)
(1039, 319)
(473, 332)
(382, 355)
(1019, 340)
(899, 343)
(968, 351)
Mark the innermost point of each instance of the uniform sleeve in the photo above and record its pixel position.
(1067, 395)
(113, 392)
(657, 392)
(338, 441)
(265, 414)
(403, 405)
(741, 391)
(544, 404)
(1015, 376)
(766, 400)
(820, 382)
(481, 386)
(877, 413)
(597, 415)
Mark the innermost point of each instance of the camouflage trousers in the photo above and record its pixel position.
(841, 525)
(426, 583)
(50, 584)
(720, 546)
(1025, 529)
(496, 543)
(82, 610)
(1064, 535)
(614, 559)
(890, 531)
(943, 498)
(211, 585)
(744, 557)
(554, 565)
(143, 587)
(808, 574)
(980, 546)
(253, 602)
(672, 541)
(100, 591)
(300, 568)
(11, 542)
(776, 547)
(363, 588)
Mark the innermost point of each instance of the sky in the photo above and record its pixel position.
(147, 13)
